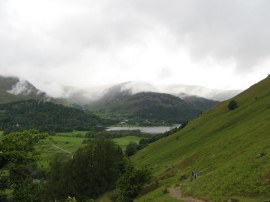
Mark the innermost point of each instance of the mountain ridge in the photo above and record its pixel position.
(12, 87)
(150, 107)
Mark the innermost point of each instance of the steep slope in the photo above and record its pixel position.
(229, 149)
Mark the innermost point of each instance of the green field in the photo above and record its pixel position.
(230, 150)
(66, 144)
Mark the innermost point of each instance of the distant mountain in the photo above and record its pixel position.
(149, 107)
(84, 96)
(190, 90)
(177, 90)
(13, 89)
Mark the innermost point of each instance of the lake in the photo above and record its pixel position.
(151, 130)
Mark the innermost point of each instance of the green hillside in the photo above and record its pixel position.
(229, 149)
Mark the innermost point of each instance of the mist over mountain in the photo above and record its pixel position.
(178, 90)
(15, 89)
(190, 90)
(143, 105)
(88, 96)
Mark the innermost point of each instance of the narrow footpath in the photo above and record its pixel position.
(175, 192)
(66, 151)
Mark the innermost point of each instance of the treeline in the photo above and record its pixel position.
(165, 115)
(116, 134)
(94, 169)
(47, 116)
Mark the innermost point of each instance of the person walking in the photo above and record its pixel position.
(194, 174)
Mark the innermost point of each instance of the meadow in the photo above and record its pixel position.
(66, 144)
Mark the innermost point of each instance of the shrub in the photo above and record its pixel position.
(131, 148)
(232, 105)
(164, 190)
(131, 183)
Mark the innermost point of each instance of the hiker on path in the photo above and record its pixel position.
(194, 174)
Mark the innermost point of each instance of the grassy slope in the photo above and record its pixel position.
(222, 146)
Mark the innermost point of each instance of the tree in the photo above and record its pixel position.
(93, 170)
(232, 105)
(17, 153)
(131, 148)
(131, 182)
(56, 179)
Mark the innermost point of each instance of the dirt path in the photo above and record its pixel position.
(61, 149)
(175, 192)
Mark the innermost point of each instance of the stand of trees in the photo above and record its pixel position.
(96, 168)
(47, 116)
(17, 160)
(93, 170)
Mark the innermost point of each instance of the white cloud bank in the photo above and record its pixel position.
(214, 43)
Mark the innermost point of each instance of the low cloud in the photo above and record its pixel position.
(87, 42)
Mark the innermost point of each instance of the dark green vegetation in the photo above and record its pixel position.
(46, 116)
(229, 149)
(131, 148)
(232, 105)
(92, 171)
(130, 183)
(149, 108)
(17, 166)
(116, 134)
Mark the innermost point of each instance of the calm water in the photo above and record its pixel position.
(151, 130)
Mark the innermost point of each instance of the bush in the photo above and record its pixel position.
(131, 182)
(131, 149)
(164, 190)
(232, 105)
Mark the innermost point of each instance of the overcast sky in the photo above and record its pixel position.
(213, 43)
